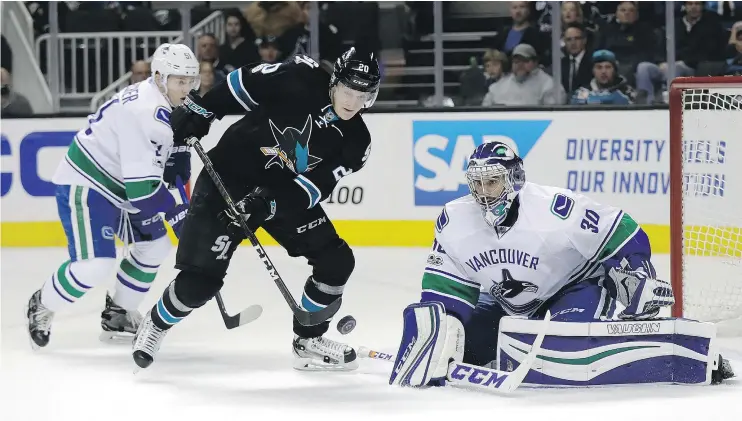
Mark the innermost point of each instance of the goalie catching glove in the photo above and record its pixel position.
(640, 292)
(431, 339)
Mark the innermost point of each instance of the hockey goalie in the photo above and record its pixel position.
(511, 250)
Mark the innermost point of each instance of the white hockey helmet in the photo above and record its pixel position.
(174, 60)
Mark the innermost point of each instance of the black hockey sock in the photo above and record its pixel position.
(169, 310)
(317, 295)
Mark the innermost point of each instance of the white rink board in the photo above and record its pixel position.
(417, 160)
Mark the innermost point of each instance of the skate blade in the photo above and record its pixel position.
(116, 338)
(309, 364)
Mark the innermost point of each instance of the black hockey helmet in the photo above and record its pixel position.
(358, 71)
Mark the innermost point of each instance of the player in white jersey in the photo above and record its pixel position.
(516, 248)
(114, 182)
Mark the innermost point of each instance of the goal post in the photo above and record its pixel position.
(706, 198)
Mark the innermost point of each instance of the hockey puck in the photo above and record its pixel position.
(346, 325)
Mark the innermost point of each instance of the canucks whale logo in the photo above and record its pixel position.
(292, 148)
(511, 287)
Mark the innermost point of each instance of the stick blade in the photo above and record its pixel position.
(312, 318)
(246, 316)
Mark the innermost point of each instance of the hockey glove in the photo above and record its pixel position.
(175, 217)
(177, 165)
(642, 295)
(254, 209)
(190, 120)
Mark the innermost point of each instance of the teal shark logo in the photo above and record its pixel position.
(292, 148)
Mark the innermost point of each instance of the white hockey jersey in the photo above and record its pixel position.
(123, 150)
(559, 238)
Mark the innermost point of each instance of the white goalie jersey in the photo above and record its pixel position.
(122, 151)
(559, 238)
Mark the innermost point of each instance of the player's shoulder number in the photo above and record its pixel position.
(266, 68)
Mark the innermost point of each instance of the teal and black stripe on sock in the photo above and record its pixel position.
(169, 310)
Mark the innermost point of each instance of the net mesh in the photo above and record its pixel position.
(712, 205)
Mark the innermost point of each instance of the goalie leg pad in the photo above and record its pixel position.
(614, 352)
(430, 339)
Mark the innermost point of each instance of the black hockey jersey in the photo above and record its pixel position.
(290, 140)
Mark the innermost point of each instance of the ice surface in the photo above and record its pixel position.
(204, 372)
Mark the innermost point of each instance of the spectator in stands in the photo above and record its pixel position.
(207, 50)
(268, 49)
(607, 86)
(631, 40)
(526, 85)
(140, 71)
(237, 50)
(474, 83)
(13, 103)
(6, 55)
(699, 37)
(273, 17)
(495, 65)
(734, 51)
(572, 14)
(206, 73)
(576, 64)
(522, 31)
(296, 39)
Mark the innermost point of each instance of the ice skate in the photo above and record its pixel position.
(39, 321)
(147, 342)
(118, 324)
(322, 354)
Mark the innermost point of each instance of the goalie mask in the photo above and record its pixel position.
(495, 175)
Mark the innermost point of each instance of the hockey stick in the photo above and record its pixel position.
(467, 375)
(247, 315)
(305, 318)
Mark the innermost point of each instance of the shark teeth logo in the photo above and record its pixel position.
(292, 148)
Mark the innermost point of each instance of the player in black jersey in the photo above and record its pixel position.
(295, 142)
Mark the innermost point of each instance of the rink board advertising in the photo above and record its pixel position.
(417, 164)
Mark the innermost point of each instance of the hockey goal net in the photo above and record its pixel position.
(706, 199)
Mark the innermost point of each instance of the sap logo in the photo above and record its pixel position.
(312, 225)
(32, 150)
(441, 150)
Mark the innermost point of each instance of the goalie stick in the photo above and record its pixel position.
(468, 375)
(305, 318)
(247, 315)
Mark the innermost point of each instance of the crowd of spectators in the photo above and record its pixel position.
(612, 52)
(608, 57)
(265, 31)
